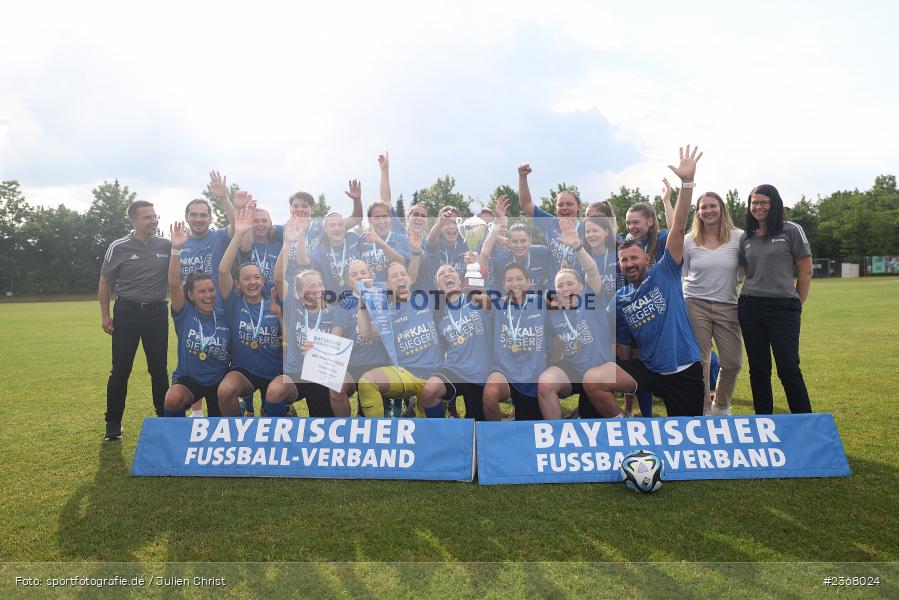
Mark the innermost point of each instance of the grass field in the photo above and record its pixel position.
(66, 496)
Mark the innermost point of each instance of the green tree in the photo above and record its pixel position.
(548, 203)
(514, 212)
(400, 207)
(736, 208)
(14, 212)
(219, 216)
(805, 214)
(441, 194)
(107, 217)
(321, 207)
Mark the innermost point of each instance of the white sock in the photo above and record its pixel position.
(196, 413)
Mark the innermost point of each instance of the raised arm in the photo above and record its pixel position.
(686, 171)
(415, 260)
(571, 239)
(243, 200)
(524, 191)
(355, 193)
(384, 163)
(499, 209)
(666, 202)
(218, 187)
(434, 234)
(295, 238)
(242, 228)
(179, 234)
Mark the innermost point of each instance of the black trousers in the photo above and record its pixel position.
(132, 324)
(772, 324)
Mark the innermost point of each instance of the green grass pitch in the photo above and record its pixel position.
(68, 497)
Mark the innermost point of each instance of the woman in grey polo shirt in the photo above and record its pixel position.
(711, 262)
(770, 305)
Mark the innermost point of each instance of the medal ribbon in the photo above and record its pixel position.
(342, 260)
(258, 324)
(204, 341)
(514, 328)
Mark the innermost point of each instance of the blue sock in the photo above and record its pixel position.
(275, 409)
(644, 399)
(435, 412)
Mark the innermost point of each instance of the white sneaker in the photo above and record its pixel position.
(719, 412)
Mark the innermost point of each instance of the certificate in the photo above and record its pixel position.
(327, 361)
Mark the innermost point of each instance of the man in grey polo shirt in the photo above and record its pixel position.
(136, 267)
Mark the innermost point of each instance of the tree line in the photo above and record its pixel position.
(60, 250)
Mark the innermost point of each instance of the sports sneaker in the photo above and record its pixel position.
(291, 411)
(113, 431)
(715, 411)
(452, 412)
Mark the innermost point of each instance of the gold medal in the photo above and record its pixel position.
(379, 267)
(514, 347)
(202, 355)
(460, 340)
(340, 282)
(254, 344)
(575, 347)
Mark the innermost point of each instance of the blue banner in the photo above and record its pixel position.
(591, 450)
(439, 449)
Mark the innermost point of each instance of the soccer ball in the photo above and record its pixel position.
(642, 471)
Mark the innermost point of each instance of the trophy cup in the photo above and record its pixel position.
(473, 230)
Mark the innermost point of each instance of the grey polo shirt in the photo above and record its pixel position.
(138, 271)
(770, 262)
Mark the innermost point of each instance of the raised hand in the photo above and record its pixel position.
(245, 216)
(179, 234)
(355, 191)
(295, 228)
(414, 235)
(372, 237)
(218, 185)
(686, 170)
(275, 308)
(524, 169)
(666, 191)
(242, 198)
(569, 235)
(501, 208)
(384, 160)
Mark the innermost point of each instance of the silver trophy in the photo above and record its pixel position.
(474, 231)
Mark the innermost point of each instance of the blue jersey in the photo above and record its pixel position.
(205, 254)
(439, 255)
(203, 344)
(378, 261)
(366, 351)
(655, 315)
(519, 344)
(332, 263)
(552, 231)
(587, 333)
(298, 325)
(467, 332)
(255, 344)
(415, 338)
(609, 271)
(661, 241)
(265, 256)
(539, 263)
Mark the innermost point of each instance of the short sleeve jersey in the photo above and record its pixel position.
(333, 262)
(539, 263)
(204, 344)
(138, 270)
(299, 323)
(415, 338)
(377, 260)
(265, 255)
(467, 332)
(770, 261)
(586, 332)
(205, 254)
(549, 225)
(654, 314)
(255, 343)
(519, 348)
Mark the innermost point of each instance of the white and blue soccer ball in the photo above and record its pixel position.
(643, 471)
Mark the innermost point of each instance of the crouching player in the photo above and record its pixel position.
(203, 336)
(255, 323)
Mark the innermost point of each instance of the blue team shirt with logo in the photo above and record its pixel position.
(415, 338)
(439, 255)
(243, 318)
(217, 349)
(333, 263)
(588, 334)
(609, 271)
(467, 332)
(522, 357)
(265, 256)
(366, 351)
(205, 254)
(655, 315)
(539, 263)
(377, 260)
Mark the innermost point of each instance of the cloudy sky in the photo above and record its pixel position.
(598, 94)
